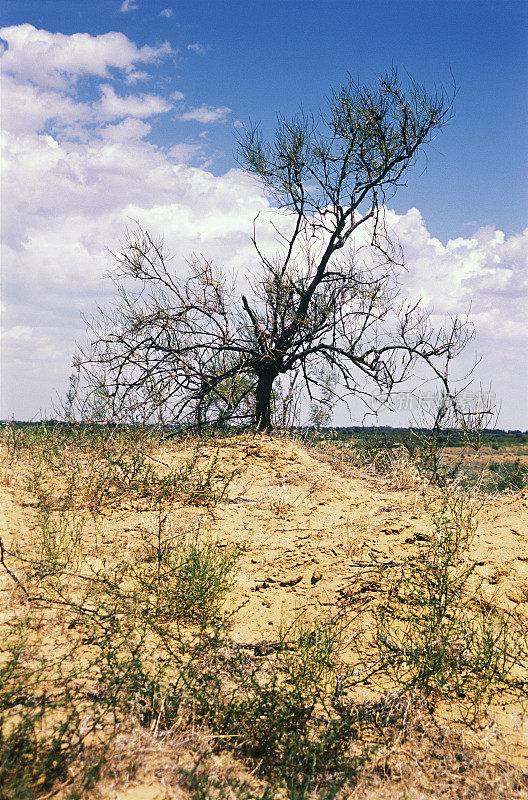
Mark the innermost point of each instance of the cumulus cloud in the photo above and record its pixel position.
(76, 174)
(483, 278)
(487, 273)
(187, 152)
(111, 106)
(67, 207)
(56, 60)
(206, 114)
(69, 204)
(40, 70)
(70, 198)
(126, 131)
(29, 109)
(167, 13)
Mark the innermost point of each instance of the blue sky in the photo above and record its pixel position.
(171, 90)
(264, 56)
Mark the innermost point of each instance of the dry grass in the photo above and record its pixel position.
(134, 662)
(421, 760)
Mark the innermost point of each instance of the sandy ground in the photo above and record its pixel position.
(304, 522)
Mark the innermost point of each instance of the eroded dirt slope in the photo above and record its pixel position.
(306, 523)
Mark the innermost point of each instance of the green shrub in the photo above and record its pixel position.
(433, 635)
(59, 542)
(47, 722)
(184, 576)
(510, 476)
(92, 467)
(279, 709)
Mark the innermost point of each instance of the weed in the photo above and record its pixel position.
(192, 485)
(59, 543)
(202, 786)
(510, 476)
(71, 467)
(144, 640)
(278, 709)
(186, 575)
(44, 724)
(63, 701)
(13, 442)
(375, 454)
(405, 456)
(433, 635)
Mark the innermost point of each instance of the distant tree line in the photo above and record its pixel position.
(451, 436)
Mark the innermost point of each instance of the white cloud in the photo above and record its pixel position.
(128, 130)
(187, 153)
(167, 13)
(57, 61)
(40, 70)
(128, 5)
(177, 95)
(487, 272)
(28, 109)
(111, 106)
(206, 114)
(198, 48)
(75, 175)
(136, 76)
(486, 277)
(69, 197)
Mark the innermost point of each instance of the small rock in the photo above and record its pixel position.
(316, 577)
(423, 537)
(291, 581)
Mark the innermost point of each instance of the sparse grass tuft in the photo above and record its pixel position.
(278, 709)
(59, 543)
(72, 467)
(433, 635)
(186, 576)
(49, 720)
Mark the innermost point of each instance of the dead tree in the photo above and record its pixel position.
(191, 351)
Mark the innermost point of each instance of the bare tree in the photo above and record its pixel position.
(193, 352)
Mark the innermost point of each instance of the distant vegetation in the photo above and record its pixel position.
(440, 456)
(451, 437)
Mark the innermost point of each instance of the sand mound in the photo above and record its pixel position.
(306, 523)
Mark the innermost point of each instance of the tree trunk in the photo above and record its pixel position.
(263, 401)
